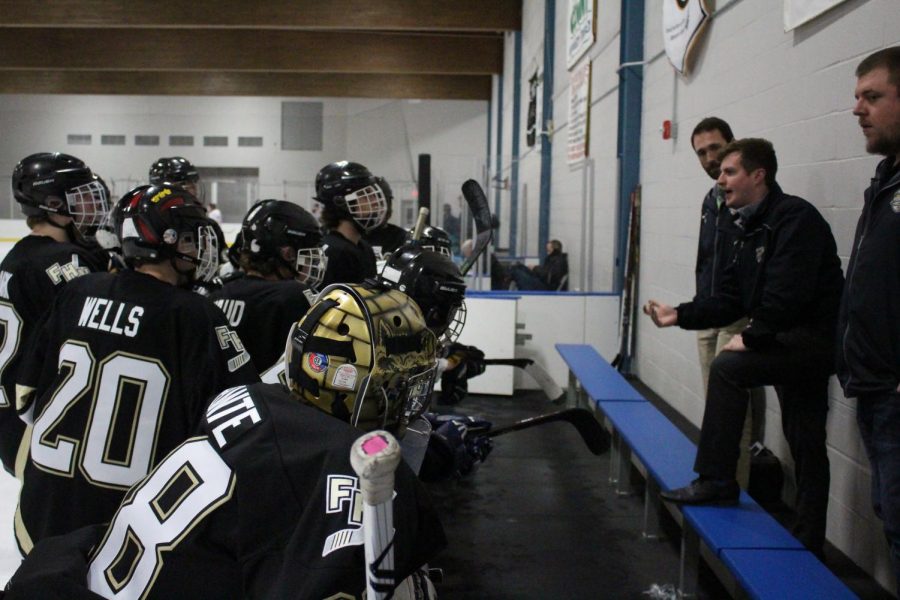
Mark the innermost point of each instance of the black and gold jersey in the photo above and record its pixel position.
(116, 376)
(30, 275)
(262, 313)
(264, 505)
(347, 262)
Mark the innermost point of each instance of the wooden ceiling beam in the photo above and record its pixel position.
(406, 15)
(237, 50)
(178, 83)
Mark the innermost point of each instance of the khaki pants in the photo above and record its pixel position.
(709, 344)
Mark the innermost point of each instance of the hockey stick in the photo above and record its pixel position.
(591, 431)
(375, 457)
(537, 372)
(481, 212)
(420, 224)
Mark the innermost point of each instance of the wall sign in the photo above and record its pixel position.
(798, 12)
(682, 22)
(581, 30)
(579, 113)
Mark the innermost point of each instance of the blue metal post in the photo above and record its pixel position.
(547, 115)
(631, 49)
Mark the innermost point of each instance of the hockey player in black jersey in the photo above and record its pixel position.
(353, 204)
(283, 262)
(178, 171)
(63, 203)
(121, 368)
(265, 504)
(387, 237)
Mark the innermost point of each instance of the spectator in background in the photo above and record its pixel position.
(869, 322)
(715, 249)
(214, 213)
(786, 276)
(552, 274)
(450, 223)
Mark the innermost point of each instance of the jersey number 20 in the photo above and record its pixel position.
(109, 419)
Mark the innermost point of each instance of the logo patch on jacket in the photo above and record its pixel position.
(895, 202)
(759, 253)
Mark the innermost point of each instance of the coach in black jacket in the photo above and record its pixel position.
(869, 357)
(786, 277)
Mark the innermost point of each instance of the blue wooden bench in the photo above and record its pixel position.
(597, 377)
(795, 574)
(745, 538)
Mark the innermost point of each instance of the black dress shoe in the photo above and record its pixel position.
(705, 491)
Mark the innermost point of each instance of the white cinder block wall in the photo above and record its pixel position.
(796, 89)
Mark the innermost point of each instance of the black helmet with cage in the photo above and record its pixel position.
(434, 239)
(280, 233)
(177, 170)
(165, 222)
(363, 355)
(348, 190)
(60, 184)
(434, 282)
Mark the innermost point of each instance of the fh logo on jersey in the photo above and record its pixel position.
(67, 271)
(342, 495)
(228, 337)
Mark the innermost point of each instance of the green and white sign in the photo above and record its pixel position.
(581, 30)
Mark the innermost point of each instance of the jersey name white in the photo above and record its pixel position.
(235, 411)
(117, 317)
(233, 309)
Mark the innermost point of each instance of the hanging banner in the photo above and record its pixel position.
(581, 30)
(682, 22)
(798, 12)
(579, 113)
(533, 125)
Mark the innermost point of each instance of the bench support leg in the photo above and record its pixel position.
(651, 510)
(623, 469)
(572, 391)
(690, 562)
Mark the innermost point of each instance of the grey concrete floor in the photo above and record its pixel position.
(539, 519)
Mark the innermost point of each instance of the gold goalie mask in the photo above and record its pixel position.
(364, 356)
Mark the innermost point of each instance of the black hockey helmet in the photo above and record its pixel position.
(165, 222)
(434, 239)
(434, 282)
(352, 191)
(51, 182)
(177, 170)
(288, 234)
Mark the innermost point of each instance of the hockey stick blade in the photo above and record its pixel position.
(591, 431)
(481, 212)
(537, 372)
(375, 457)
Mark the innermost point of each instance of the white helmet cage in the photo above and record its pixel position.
(368, 206)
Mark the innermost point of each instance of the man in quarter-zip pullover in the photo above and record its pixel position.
(715, 247)
(869, 323)
(786, 277)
